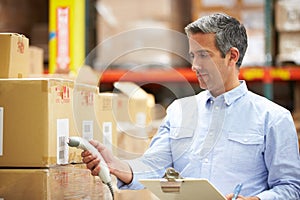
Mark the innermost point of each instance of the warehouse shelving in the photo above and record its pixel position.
(255, 73)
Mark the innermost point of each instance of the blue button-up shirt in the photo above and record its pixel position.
(237, 137)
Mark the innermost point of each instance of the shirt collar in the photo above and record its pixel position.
(232, 95)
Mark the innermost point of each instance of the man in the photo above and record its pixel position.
(226, 133)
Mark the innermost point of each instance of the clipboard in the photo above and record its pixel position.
(191, 189)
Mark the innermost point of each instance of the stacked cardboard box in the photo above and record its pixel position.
(106, 120)
(84, 115)
(61, 182)
(36, 60)
(125, 119)
(132, 110)
(37, 115)
(14, 55)
(135, 28)
(17, 58)
(37, 119)
(287, 21)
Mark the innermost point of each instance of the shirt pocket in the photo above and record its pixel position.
(180, 141)
(246, 150)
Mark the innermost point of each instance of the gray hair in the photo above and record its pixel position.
(229, 32)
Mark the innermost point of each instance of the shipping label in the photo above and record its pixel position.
(62, 94)
(21, 46)
(87, 129)
(140, 119)
(107, 134)
(87, 98)
(62, 138)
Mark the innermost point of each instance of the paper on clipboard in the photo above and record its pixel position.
(191, 189)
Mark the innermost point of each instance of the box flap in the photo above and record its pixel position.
(131, 89)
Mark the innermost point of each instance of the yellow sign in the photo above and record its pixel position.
(66, 35)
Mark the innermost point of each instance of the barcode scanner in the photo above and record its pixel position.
(104, 173)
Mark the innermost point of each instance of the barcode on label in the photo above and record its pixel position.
(87, 130)
(107, 128)
(62, 145)
(62, 135)
(107, 134)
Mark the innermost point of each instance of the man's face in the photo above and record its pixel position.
(211, 69)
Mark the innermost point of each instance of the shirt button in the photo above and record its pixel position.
(245, 140)
(217, 107)
(206, 160)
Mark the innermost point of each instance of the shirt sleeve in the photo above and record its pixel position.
(282, 160)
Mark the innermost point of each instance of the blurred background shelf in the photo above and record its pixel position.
(264, 74)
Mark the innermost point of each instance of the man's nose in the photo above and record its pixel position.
(196, 67)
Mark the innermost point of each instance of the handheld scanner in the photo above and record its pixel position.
(83, 144)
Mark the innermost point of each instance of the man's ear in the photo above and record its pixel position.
(234, 55)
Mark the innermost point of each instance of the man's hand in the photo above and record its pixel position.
(116, 167)
(240, 197)
(92, 161)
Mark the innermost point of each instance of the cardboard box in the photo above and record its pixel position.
(133, 142)
(14, 55)
(289, 47)
(24, 184)
(134, 105)
(134, 27)
(133, 112)
(36, 59)
(125, 119)
(121, 135)
(67, 35)
(63, 182)
(83, 110)
(37, 119)
(287, 15)
(85, 119)
(106, 120)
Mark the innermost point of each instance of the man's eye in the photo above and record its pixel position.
(192, 56)
(203, 54)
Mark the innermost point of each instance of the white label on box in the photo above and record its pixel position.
(140, 119)
(62, 137)
(107, 134)
(1, 131)
(87, 130)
